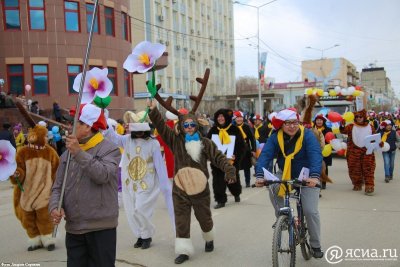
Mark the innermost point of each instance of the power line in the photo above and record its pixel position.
(177, 32)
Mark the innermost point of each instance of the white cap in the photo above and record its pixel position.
(42, 123)
(139, 127)
(171, 116)
(90, 114)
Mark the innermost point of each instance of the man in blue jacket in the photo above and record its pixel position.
(295, 147)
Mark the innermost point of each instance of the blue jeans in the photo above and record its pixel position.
(388, 161)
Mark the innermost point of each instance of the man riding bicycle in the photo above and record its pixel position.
(295, 147)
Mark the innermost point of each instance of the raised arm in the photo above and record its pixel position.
(166, 133)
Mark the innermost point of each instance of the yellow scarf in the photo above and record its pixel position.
(256, 133)
(223, 135)
(384, 136)
(241, 130)
(287, 169)
(93, 141)
(321, 129)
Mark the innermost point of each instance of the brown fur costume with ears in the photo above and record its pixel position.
(307, 105)
(36, 165)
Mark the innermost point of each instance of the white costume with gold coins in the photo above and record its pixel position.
(144, 174)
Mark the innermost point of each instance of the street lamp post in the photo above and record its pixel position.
(322, 50)
(322, 57)
(260, 102)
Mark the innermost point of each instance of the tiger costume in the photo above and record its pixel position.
(361, 166)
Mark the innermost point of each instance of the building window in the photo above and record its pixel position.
(126, 29)
(128, 83)
(72, 72)
(36, 15)
(11, 15)
(15, 78)
(112, 75)
(40, 79)
(89, 16)
(109, 17)
(71, 13)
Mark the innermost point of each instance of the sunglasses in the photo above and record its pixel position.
(189, 124)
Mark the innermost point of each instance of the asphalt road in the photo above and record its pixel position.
(365, 228)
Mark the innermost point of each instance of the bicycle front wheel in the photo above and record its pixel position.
(283, 244)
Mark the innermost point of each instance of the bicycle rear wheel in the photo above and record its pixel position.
(304, 243)
(283, 250)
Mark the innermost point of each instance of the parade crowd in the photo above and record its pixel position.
(127, 163)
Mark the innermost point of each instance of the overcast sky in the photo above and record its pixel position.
(368, 31)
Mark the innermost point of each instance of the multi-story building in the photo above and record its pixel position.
(198, 35)
(43, 44)
(338, 71)
(379, 88)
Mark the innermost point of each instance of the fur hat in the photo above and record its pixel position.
(227, 113)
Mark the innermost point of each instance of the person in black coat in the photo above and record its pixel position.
(320, 125)
(223, 131)
(6, 134)
(249, 147)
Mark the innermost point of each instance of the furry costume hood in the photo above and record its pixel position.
(37, 137)
(227, 113)
(183, 118)
(362, 113)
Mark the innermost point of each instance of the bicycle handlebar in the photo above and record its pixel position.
(290, 182)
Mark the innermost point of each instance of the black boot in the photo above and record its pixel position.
(219, 205)
(237, 198)
(146, 243)
(138, 243)
(51, 247)
(209, 246)
(181, 258)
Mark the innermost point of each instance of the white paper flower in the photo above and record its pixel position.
(143, 57)
(8, 165)
(96, 84)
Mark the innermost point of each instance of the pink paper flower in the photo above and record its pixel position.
(96, 84)
(8, 165)
(143, 57)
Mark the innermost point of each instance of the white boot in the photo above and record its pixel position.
(48, 241)
(34, 243)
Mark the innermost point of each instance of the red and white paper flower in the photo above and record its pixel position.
(144, 57)
(96, 84)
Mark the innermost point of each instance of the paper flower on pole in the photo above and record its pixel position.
(8, 165)
(143, 57)
(96, 84)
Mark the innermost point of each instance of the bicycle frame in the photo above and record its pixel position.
(296, 225)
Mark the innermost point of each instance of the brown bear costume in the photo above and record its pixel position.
(36, 168)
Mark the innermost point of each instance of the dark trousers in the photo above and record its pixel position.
(93, 249)
(183, 205)
(219, 185)
(247, 176)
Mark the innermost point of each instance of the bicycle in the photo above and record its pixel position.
(294, 226)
